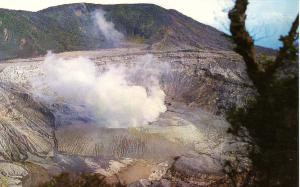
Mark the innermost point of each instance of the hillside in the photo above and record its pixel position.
(70, 27)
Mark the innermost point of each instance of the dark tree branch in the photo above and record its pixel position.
(242, 39)
(272, 121)
(288, 52)
(245, 46)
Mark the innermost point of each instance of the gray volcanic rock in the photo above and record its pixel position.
(216, 81)
(200, 170)
(193, 166)
(11, 174)
(200, 86)
(26, 126)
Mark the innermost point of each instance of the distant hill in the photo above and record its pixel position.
(70, 27)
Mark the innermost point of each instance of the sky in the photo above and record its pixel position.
(267, 19)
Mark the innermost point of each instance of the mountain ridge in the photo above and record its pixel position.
(70, 27)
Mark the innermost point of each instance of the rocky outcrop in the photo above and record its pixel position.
(5, 34)
(26, 125)
(201, 170)
(11, 174)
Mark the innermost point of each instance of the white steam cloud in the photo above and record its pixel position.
(112, 96)
(107, 28)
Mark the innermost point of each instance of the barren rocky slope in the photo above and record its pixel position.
(186, 145)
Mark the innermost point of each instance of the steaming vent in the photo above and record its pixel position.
(129, 95)
(116, 96)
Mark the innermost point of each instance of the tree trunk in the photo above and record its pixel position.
(242, 39)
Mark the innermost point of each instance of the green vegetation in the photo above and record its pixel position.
(60, 29)
(272, 119)
(144, 21)
(71, 27)
(272, 122)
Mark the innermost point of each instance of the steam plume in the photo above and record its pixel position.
(112, 95)
(107, 28)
